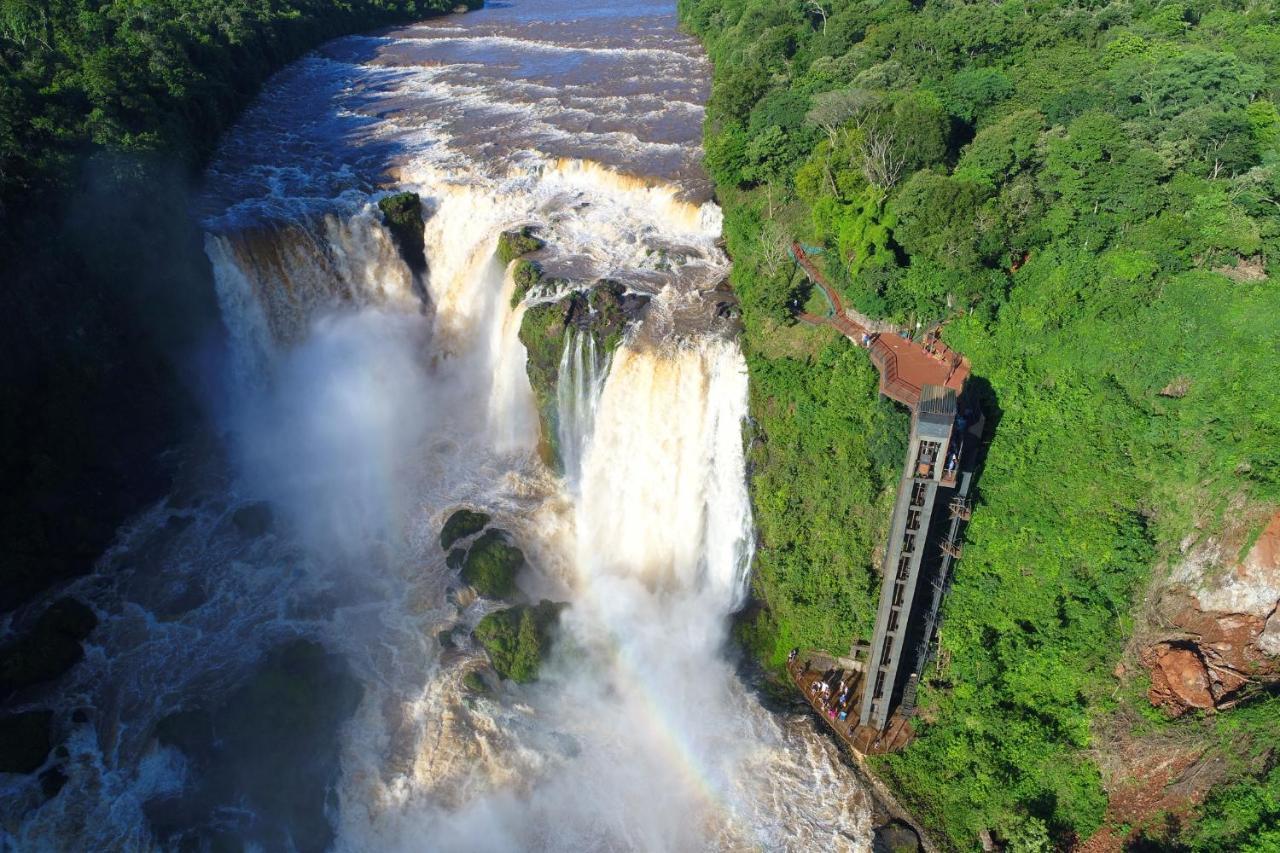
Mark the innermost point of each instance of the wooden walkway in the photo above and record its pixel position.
(809, 668)
(905, 366)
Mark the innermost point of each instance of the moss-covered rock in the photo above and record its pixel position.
(492, 564)
(604, 312)
(402, 214)
(25, 741)
(460, 525)
(542, 331)
(526, 275)
(518, 639)
(265, 760)
(516, 243)
(49, 649)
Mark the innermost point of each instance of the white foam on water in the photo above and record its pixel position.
(370, 404)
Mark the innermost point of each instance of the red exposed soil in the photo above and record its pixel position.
(1207, 634)
(1152, 791)
(1207, 655)
(1179, 679)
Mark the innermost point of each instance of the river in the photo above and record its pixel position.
(366, 402)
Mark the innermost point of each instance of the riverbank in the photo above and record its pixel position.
(111, 336)
(109, 325)
(947, 172)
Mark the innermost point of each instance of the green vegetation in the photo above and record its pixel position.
(461, 524)
(491, 565)
(518, 638)
(1243, 818)
(166, 76)
(526, 275)
(107, 108)
(542, 331)
(517, 243)
(402, 213)
(1089, 195)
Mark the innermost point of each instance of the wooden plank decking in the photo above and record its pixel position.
(905, 366)
(811, 667)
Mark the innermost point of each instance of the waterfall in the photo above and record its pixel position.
(663, 497)
(288, 274)
(373, 402)
(513, 420)
(581, 380)
(648, 536)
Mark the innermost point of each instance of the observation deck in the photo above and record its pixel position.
(906, 366)
(929, 379)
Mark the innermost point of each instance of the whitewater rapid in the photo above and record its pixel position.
(367, 402)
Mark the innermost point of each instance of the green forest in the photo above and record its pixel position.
(1089, 195)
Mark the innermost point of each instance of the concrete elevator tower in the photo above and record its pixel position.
(932, 465)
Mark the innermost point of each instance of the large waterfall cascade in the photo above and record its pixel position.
(368, 404)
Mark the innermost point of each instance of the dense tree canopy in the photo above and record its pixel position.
(1090, 195)
(157, 76)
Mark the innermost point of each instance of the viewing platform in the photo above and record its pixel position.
(927, 377)
(811, 667)
(905, 366)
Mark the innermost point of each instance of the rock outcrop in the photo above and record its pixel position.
(1219, 631)
(518, 639)
(604, 311)
(265, 761)
(491, 565)
(461, 524)
(517, 243)
(896, 836)
(25, 741)
(49, 648)
(1179, 678)
(402, 214)
(253, 520)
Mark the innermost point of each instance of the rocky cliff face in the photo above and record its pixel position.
(1216, 627)
(603, 311)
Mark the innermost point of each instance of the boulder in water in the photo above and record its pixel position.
(49, 648)
(896, 836)
(265, 760)
(51, 782)
(492, 564)
(402, 214)
(25, 741)
(518, 638)
(460, 525)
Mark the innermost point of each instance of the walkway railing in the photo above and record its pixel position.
(867, 332)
